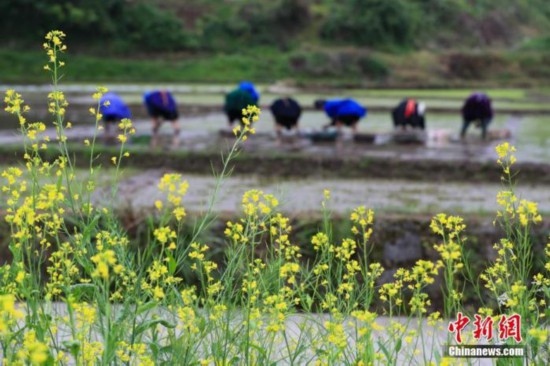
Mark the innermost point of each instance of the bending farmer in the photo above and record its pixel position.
(342, 112)
(286, 112)
(409, 113)
(161, 105)
(113, 110)
(477, 108)
(238, 99)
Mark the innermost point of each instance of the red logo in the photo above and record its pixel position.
(483, 328)
(508, 327)
(457, 326)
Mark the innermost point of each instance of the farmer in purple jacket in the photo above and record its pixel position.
(113, 110)
(161, 105)
(477, 108)
(342, 112)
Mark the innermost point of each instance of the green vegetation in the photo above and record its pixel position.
(388, 43)
(106, 26)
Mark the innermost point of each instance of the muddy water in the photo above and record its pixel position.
(530, 134)
(303, 196)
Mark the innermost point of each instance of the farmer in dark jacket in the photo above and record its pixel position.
(409, 113)
(286, 112)
(161, 105)
(113, 110)
(477, 108)
(238, 99)
(342, 112)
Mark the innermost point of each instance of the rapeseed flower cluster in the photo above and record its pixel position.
(233, 311)
(175, 189)
(255, 203)
(421, 276)
(528, 213)
(362, 219)
(134, 354)
(505, 278)
(104, 260)
(16, 105)
(205, 269)
(415, 281)
(320, 241)
(63, 271)
(82, 320)
(33, 351)
(450, 229)
(391, 292)
(54, 45)
(159, 278)
(235, 232)
(9, 314)
(96, 112)
(251, 114)
(506, 157)
(127, 128)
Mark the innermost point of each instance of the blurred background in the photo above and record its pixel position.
(375, 43)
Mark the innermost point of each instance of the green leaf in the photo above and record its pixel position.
(171, 264)
(385, 351)
(398, 345)
(151, 324)
(146, 307)
(72, 346)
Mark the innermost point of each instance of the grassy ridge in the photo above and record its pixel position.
(315, 68)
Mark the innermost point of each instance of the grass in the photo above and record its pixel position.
(413, 70)
(221, 68)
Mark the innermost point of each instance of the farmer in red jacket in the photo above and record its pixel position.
(409, 113)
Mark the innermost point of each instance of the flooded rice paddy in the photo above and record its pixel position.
(525, 114)
(302, 197)
(530, 134)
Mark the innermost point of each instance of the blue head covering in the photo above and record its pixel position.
(344, 107)
(351, 107)
(116, 108)
(249, 87)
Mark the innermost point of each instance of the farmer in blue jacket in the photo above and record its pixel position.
(342, 112)
(113, 110)
(477, 108)
(238, 99)
(161, 105)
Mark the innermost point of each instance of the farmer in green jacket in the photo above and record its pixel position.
(238, 99)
